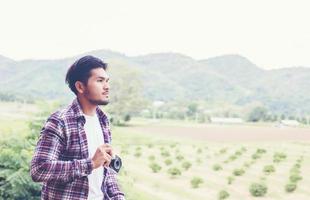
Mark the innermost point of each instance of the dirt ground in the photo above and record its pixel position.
(228, 132)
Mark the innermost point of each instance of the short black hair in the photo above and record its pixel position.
(80, 70)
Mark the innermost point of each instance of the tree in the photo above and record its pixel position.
(257, 114)
(126, 95)
(15, 157)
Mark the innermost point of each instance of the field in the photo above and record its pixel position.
(187, 161)
(214, 152)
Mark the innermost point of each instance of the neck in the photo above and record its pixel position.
(87, 107)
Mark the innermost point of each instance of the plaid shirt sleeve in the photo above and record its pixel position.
(45, 164)
(113, 190)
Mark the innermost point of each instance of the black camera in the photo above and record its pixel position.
(116, 163)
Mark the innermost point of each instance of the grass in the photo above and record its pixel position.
(140, 183)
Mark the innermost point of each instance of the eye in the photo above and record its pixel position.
(100, 80)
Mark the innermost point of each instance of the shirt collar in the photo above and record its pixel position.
(76, 107)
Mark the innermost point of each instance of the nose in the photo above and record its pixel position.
(106, 86)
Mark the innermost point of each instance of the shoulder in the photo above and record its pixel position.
(60, 117)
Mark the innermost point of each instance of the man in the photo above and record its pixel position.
(73, 154)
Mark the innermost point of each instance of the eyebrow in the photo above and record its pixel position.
(104, 78)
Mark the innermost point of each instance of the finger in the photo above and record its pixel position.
(107, 161)
(106, 145)
(109, 150)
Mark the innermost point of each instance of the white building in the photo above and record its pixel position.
(226, 120)
(292, 123)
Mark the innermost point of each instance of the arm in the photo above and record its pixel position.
(113, 189)
(45, 165)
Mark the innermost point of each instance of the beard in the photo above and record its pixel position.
(99, 102)
(95, 101)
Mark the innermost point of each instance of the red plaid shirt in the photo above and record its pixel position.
(61, 160)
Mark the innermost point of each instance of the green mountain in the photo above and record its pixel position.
(170, 77)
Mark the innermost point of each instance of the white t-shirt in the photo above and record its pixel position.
(95, 138)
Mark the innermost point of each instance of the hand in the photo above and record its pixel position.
(103, 156)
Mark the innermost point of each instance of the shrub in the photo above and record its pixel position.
(290, 187)
(168, 162)
(124, 152)
(297, 166)
(246, 164)
(217, 167)
(179, 157)
(260, 151)
(174, 172)
(222, 151)
(238, 172)
(199, 150)
(223, 194)
(196, 181)
(295, 177)
(150, 145)
(230, 179)
(155, 167)
(165, 153)
(137, 154)
(238, 153)
(268, 169)
(278, 157)
(232, 158)
(258, 189)
(198, 160)
(151, 157)
(186, 165)
(256, 156)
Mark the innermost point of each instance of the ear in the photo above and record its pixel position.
(79, 87)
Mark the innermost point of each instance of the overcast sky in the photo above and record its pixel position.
(270, 33)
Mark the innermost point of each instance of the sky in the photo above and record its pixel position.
(270, 33)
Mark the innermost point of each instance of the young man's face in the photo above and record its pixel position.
(97, 88)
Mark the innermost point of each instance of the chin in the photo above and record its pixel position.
(104, 102)
(100, 102)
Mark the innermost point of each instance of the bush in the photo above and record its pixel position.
(151, 157)
(260, 151)
(278, 157)
(246, 164)
(230, 179)
(137, 154)
(268, 169)
(165, 153)
(223, 195)
(168, 162)
(290, 187)
(186, 165)
(174, 172)
(198, 160)
(222, 151)
(295, 177)
(199, 150)
(179, 157)
(256, 156)
(232, 158)
(238, 153)
(155, 167)
(258, 189)
(217, 167)
(238, 172)
(196, 181)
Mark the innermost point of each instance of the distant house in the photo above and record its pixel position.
(292, 123)
(226, 120)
